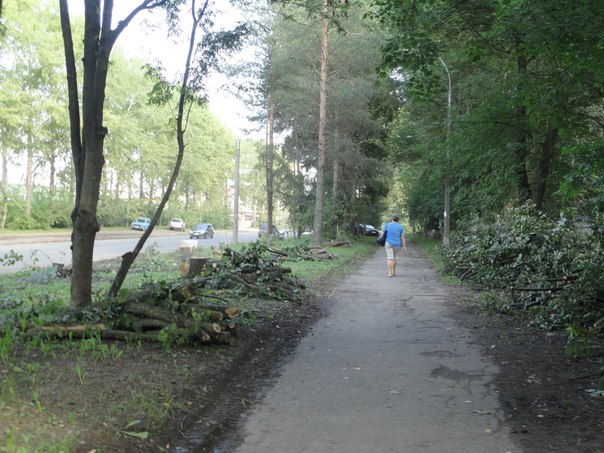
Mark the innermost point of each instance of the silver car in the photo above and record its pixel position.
(177, 224)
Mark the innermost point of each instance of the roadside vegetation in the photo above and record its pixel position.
(80, 394)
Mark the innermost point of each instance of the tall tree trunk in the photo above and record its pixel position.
(322, 149)
(547, 153)
(521, 151)
(88, 153)
(5, 195)
(117, 186)
(52, 177)
(335, 184)
(336, 168)
(270, 142)
(29, 175)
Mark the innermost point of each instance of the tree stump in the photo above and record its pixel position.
(196, 265)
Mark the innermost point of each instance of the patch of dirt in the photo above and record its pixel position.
(542, 391)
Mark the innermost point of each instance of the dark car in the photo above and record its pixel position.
(369, 230)
(202, 230)
(263, 230)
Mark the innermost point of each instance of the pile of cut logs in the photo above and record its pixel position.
(179, 312)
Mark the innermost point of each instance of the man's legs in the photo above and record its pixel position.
(394, 260)
(390, 256)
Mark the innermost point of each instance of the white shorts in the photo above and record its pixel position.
(392, 251)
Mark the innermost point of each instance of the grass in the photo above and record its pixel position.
(347, 258)
(432, 250)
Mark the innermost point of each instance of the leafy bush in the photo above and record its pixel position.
(582, 188)
(550, 268)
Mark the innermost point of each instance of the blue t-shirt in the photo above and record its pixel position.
(394, 231)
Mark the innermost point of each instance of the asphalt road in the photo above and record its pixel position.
(387, 370)
(43, 249)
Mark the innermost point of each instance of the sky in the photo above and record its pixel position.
(146, 38)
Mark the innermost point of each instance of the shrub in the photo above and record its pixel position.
(548, 267)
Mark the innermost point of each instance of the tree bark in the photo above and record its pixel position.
(29, 176)
(98, 42)
(270, 128)
(317, 237)
(521, 151)
(5, 195)
(547, 153)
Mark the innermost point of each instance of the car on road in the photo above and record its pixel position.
(369, 230)
(141, 223)
(177, 224)
(202, 230)
(263, 230)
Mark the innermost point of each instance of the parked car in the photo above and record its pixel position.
(263, 230)
(177, 224)
(141, 223)
(370, 230)
(202, 230)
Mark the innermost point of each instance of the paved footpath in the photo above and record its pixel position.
(386, 371)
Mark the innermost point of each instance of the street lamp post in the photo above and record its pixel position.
(447, 211)
(236, 195)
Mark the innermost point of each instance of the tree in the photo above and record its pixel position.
(88, 130)
(525, 76)
(330, 13)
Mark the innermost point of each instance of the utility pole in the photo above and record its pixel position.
(447, 212)
(236, 195)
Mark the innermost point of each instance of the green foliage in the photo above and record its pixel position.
(10, 258)
(577, 345)
(582, 189)
(519, 70)
(551, 268)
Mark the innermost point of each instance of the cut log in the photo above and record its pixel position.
(211, 327)
(223, 338)
(153, 311)
(196, 265)
(232, 312)
(148, 324)
(216, 316)
(61, 270)
(183, 269)
(211, 307)
(79, 329)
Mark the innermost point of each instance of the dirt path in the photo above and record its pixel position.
(387, 370)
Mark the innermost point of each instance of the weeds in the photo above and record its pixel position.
(7, 346)
(80, 372)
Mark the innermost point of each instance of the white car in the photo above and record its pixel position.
(177, 224)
